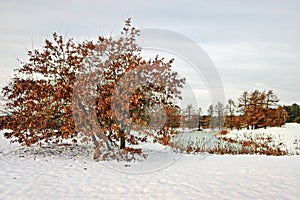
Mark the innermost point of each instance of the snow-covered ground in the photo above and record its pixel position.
(71, 173)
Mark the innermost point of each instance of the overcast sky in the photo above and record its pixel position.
(254, 44)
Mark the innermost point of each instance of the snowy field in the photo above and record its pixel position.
(71, 173)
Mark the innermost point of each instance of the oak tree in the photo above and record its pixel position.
(100, 90)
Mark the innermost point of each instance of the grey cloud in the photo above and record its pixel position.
(245, 39)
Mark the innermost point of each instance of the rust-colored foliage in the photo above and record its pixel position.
(224, 132)
(129, 85)
(257, 109)
(40, 94)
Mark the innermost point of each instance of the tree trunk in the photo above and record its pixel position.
(122, 143)
(122, 139)
(199, 126)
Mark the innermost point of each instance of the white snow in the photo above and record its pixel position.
(46, 174)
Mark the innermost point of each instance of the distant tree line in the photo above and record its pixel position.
(253, 109)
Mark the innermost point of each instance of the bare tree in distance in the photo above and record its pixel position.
(211, 112)
(219, 109)
(199, 118)
(230, 110)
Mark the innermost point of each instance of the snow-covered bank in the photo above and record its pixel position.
(288, 134)
(283, 140)
(191, 177)
(165, 176)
